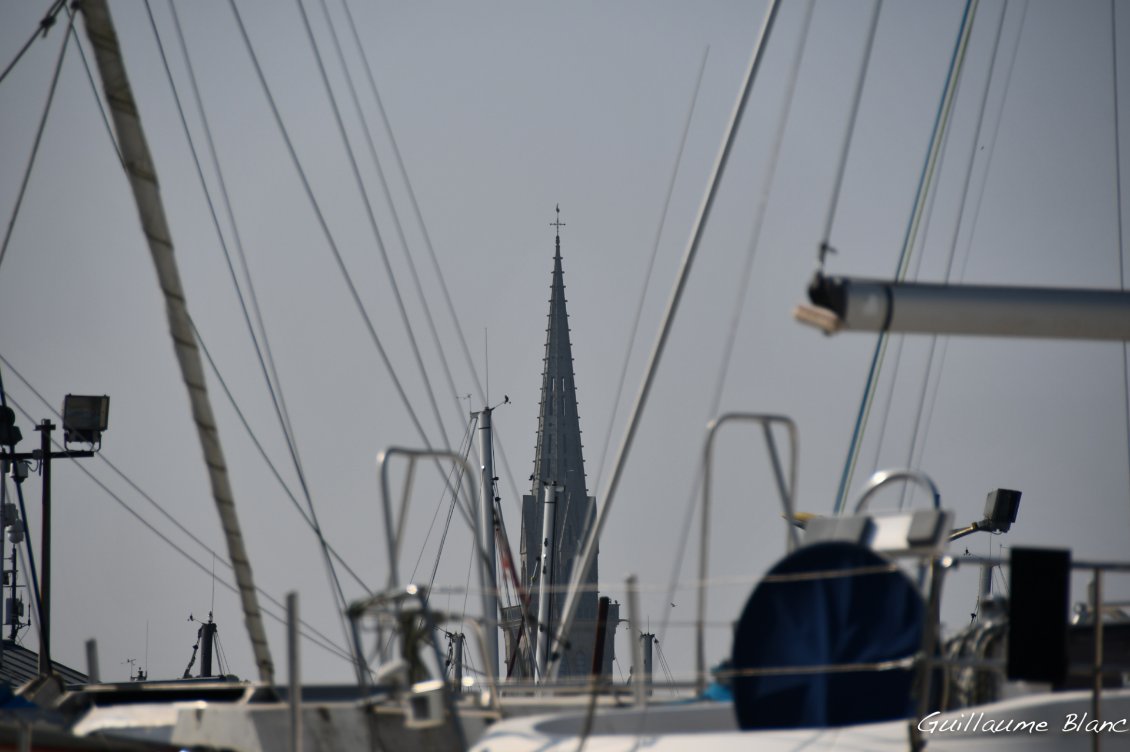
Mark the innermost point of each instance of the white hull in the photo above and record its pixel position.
(711, 726)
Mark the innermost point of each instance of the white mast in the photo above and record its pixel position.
(142, 175)
(545, 576)
(486, 531)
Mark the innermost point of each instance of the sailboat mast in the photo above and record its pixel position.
(545, 577)
(143, 181)
(486, 533)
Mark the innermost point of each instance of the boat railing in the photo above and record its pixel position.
(785, 488)
(885, 477)
(1096, 666)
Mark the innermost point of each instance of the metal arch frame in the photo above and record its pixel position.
(487, 582)
(788, 501)
(884, 477)
(393, 539)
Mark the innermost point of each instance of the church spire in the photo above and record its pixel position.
(559, 469)
(558, 459)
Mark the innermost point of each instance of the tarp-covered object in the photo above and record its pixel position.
(868, 617)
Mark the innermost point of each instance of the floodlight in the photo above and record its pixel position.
(1001, 507)
(85, 418)
(9, 432)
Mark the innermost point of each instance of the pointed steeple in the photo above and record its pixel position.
(558, 460)
(559, 466)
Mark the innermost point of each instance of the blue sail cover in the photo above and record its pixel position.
(864, 618)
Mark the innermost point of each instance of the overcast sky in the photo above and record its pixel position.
(501, 111)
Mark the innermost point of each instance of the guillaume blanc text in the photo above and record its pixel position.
(977, 722)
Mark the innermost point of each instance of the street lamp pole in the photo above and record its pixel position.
(45, 428)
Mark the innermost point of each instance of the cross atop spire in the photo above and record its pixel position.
(558, 224)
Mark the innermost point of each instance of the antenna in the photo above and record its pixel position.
(212, 607)
(486, 357)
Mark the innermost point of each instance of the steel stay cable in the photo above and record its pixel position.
(918, 428)
(23, 520)
(42, 28)
(323, 224)
(38, 140)
(634, 329)
(396, 224)
(845, 149)
(739, 303)
(354, 294)
(94, 88)
(153, 502)
(1118, 213)
(589, 551)
(274, 382)
(368, 204)
(456, 468)
(991, 152)
(469, 361)
(204, 568)
(279, 411)
(925, 180)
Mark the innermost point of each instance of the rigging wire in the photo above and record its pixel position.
(925, 180)
(371, 79)
(451, 508)
(153, 502)
(1118, 213)
(978, 204)
(588, 554)
(324, 225)
(38, 139)
(666, 668)
(41, 29)
(845, 149)
(312, 523)
(456, 467)
(276, 398)
(254, 439)
(438, 271)
(634, 329)
(396, 224)
(739, 304)
(94, 88)
(368, 204)
(272, 379)
(23, 522)
(328, 645)
(958, 224)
